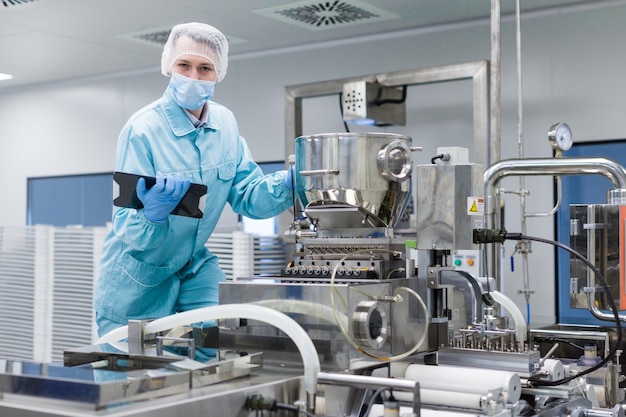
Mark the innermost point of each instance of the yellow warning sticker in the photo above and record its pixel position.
(475, 206)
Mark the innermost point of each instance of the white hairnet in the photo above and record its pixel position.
(208, 43)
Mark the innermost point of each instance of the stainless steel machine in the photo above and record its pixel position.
(347, 269)
(349, 282)
(364, 320)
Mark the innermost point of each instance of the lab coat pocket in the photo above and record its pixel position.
(140, 290)
(144, 274)
(226, 172)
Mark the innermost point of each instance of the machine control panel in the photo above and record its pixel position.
(467, 260)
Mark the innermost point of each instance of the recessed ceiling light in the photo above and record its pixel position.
(4, 77)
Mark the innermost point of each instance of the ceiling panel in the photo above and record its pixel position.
(53, 40)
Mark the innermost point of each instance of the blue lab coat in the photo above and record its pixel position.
(150, 270)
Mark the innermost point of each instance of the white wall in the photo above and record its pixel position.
(573, 71)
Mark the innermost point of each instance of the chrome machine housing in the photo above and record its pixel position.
(342, 174)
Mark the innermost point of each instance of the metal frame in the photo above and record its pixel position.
(477, 71)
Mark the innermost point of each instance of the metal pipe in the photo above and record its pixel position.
(495, 84)
(547, 355)
(608, 168)
(523, 247)
(599, 314)
(362, 381)
(520, 107)
(557, 205)
(616, 411)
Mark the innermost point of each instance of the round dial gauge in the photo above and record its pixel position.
(560, 137)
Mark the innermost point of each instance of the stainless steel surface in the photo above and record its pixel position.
(443, 219)
(368, 314)
(611, 379)
(136, 336)
(526, 364)
(617, 411)
(321, 307)
(226, 399)
(477, 71)
(361, 381)
(119, 380)
(353, 255)
(367, 171)
(83, 385)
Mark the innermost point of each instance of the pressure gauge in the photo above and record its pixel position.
(560, 137)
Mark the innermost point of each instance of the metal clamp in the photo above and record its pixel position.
(191, 345)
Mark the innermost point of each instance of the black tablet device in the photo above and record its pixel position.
(191, 205)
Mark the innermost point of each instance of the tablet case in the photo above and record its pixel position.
(191, 205)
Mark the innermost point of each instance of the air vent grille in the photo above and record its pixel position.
(9, 3)
(158, 36)
(321, 15)
(154, 36)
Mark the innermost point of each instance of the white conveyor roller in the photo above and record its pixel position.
(453, 381)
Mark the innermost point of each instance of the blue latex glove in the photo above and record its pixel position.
(163, 197)
(289, 179)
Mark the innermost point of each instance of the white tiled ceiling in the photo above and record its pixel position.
(51, 40)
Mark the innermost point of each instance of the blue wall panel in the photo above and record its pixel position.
(581, 189)
(70, 200)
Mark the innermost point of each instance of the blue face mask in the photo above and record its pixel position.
(189, 93)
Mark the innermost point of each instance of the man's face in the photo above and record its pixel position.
(196, 67)
(193, 66)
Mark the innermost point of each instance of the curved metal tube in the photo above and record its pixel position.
(608, 168)
(559, 197)
(595, 311)
(471, 290)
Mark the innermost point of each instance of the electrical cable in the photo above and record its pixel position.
(373, 398)
(345, 124)
(560, 340)
(400, 100)
(441, 156)
(498, 236)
